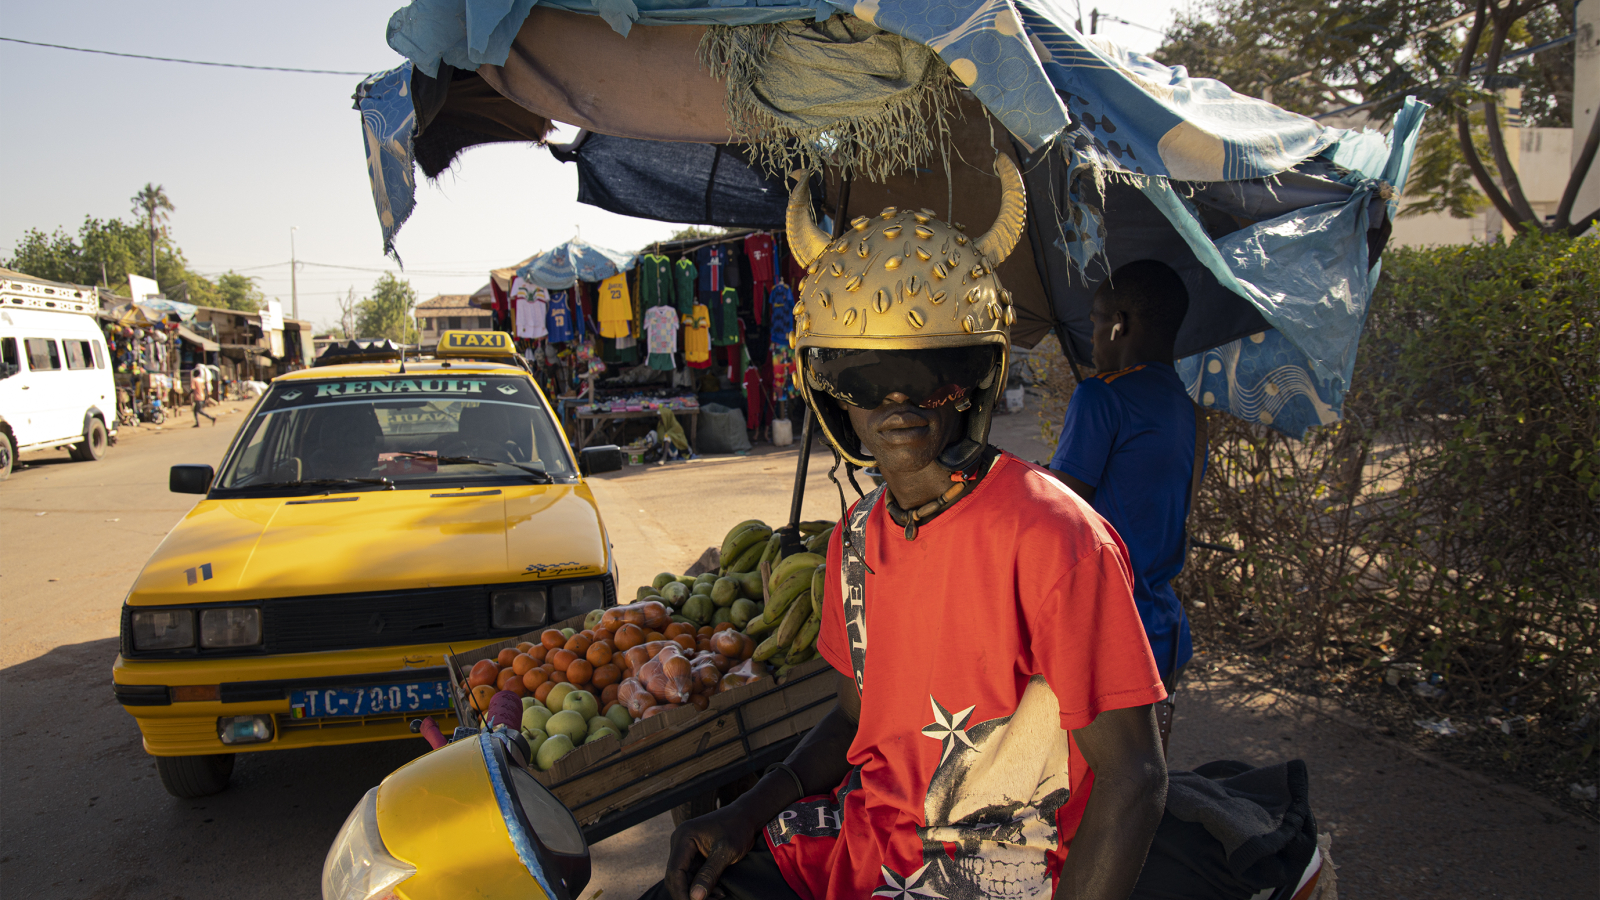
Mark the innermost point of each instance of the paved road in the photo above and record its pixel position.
(84, 815)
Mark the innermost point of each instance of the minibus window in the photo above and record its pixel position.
(42, 354)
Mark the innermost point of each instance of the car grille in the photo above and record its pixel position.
(352, 621)
(304, 624)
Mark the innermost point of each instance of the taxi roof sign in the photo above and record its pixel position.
(475, 345)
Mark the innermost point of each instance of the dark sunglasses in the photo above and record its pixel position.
(928, 378)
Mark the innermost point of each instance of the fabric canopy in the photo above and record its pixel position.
(566, 264)
(197, 340)
(1274, 222)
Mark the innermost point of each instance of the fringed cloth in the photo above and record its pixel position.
(841, 93)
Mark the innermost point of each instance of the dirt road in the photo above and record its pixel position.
(86, 817)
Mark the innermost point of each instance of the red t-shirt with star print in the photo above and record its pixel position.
(1007, 622)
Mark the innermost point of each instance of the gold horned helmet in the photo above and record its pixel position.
(904, 281)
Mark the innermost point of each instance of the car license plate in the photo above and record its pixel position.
(369, 701)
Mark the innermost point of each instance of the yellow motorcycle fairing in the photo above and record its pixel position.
(444, 814)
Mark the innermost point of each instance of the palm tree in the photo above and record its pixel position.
(151, 205)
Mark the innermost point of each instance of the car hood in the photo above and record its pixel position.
(247, 549)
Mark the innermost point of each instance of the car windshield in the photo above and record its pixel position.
(371, 432)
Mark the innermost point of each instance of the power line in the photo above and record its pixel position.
(192, 62)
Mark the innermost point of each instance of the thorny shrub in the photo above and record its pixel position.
(1452, 518)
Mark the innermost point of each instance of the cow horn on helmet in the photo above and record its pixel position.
(1001, 238)
(806, 239)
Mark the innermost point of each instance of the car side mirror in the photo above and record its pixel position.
(604, 458)
(190, 479)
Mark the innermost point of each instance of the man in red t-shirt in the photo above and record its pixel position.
(994, 735)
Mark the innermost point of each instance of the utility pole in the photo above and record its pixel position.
(1094, 20)
(294, 285)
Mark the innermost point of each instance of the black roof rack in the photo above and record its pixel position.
(358, 351)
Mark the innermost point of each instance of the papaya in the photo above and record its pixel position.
(662, 580)
(706, 578)
(675, 593)
(721, 615)
(741, 612)
(724, 592)
(699, 609)
(749, 584)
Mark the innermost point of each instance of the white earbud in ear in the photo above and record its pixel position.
(1116, 330)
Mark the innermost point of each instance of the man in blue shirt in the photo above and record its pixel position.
(1128, 443)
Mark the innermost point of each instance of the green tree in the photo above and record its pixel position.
(386, 313)
(1316, 56)
(235, 291)
(151, 205)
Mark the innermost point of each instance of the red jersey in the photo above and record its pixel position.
(979, 646)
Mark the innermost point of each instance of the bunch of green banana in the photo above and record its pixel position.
(742, 548)
(793, 617)
(818, 543)
(815, 526)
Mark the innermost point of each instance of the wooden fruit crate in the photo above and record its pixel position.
(666, 759)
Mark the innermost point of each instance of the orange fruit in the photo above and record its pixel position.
(703, 631)
(578, 644)
(703, 645)
(675, 629)
(606, 676)
(543, 691)
(534, 678)
(558, 677)
(685, 641)
(506, 674)
(561, 659)
(481, 695)
(654, 636)
(538, 653)
(598, 654)
(522, 663)
(579, 672)
(603, 634)
(506, 656)
(721, 626)
(483, 672)
(514, 685)
(588, 633)
(629, 636)
(552, 639)
(608, 694)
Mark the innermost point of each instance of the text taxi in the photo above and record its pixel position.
(370, 515)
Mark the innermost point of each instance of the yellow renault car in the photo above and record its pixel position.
(372, 514)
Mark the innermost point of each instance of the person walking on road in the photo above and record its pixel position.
(197, 389)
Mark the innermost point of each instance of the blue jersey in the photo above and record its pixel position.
(558, 318)
(1130, 435)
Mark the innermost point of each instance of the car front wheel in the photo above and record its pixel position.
(195, 776)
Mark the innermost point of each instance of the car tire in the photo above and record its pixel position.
(189, 777)
(93, 445)
(8, 455)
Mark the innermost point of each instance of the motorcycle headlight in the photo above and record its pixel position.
(163, 629)
(575, 599)
(358, 866)
(234, 626)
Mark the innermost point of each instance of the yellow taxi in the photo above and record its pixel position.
(372, 514)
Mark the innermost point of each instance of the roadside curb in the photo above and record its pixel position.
(1339, 715)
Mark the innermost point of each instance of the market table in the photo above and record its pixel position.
(599, 423)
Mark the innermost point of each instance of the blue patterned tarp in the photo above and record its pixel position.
(388, 125)
(577, 260)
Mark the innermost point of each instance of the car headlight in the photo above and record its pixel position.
(522, 609)
(163, 629)
(358, 866)
(575, 599)
(233, 626)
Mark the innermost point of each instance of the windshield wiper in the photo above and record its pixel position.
(323, 482)
(543, 476)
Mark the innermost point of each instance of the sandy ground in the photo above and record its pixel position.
(85, 816)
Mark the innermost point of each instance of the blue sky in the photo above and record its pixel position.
(246, 155)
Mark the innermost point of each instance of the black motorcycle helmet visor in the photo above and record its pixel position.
(929, 377)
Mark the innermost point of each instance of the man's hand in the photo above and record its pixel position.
(703, 847)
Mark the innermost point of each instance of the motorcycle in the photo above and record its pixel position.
(465, 819)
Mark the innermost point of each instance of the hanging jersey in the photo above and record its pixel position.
(966, 782)
(558, 321)
(684, 277)
(615, 310)
(697, 337)
(780, 303)
(725, 319)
